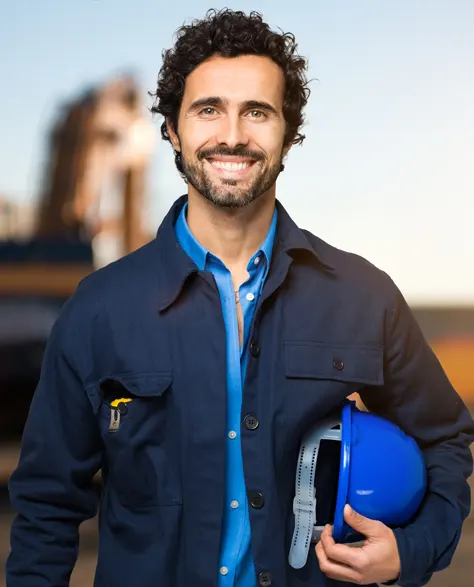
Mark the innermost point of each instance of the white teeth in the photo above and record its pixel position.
(230, 166)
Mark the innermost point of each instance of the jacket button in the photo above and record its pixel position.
(256, 500)
(254, 348)
(338, 364)
(265, 579)
(251, 422)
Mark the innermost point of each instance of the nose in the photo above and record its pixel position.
(232, 131)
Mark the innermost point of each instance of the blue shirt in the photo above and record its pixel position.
(236, 562)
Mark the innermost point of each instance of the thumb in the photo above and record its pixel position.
(360, 523)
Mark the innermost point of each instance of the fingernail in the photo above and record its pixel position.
(347, 509)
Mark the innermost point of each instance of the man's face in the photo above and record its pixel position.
(231, 129)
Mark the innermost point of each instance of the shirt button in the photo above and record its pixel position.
(232, 434)
(251, 422)
(256, 260)
(265, 579)
(256, 500)
(234, 504)
(224, 570)
(250, 297)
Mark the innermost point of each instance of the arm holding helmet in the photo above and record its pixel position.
(419, 398)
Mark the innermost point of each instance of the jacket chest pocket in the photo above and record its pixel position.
(319, 376)
(140, 431)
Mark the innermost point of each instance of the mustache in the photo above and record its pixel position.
(227, 152)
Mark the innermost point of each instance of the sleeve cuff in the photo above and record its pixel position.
(414, 550)
(394, 582)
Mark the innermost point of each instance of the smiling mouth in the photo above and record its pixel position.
(232, 166)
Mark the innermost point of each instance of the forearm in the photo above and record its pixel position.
(50, 506)
(44, 543)
(427, 545)
(418, 396)
(52, 490)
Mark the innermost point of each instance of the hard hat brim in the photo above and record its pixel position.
(340, 528)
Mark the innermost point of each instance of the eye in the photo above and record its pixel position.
(257, 114)
(208, 111)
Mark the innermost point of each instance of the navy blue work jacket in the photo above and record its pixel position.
(149, 327)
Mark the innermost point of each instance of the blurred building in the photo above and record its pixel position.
(450, 332)
(17, 219)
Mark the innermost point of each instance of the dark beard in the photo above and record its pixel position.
(218, 194)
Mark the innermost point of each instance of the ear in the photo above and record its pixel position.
(286, 150)
(284, 153)
(173, 136)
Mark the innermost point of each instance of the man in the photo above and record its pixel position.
(189, 371)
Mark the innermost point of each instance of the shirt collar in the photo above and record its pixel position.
(200, 255)
(188, 242)
(176, 266)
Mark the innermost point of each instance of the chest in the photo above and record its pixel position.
(305, 354)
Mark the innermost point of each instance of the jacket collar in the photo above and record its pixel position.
(176, 266)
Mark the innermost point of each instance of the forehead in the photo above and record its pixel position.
(237, 79)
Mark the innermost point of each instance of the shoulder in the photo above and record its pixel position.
(347, 264)
(355, 272)
(116, 284)
(136, 265)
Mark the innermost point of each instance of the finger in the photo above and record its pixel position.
(334, 570)
(327, 538)
(360, 523)
(327, 532)
(341, 553)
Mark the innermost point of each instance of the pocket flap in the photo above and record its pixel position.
(318, 360)
(135, 384)
(141, 384)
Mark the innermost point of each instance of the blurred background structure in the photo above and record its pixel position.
(385, 171)
(90, 211)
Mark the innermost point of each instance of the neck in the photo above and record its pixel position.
(232, 235)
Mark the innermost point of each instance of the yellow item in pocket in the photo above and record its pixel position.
(116, 402)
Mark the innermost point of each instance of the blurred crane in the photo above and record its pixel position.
(101, 139)
(91, 211)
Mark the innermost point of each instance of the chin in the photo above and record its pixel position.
(232, 199)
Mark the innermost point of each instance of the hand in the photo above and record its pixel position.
(376, 561)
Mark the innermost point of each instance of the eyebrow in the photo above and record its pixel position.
(248, 104)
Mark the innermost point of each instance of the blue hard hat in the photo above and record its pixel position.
(380, 470)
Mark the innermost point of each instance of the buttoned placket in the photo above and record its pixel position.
(246, 295)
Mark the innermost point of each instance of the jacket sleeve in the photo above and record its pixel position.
(420, 399)
(52, 489)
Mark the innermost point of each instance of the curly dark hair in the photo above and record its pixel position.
(229, 33)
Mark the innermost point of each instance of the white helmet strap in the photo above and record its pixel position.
(304, 503)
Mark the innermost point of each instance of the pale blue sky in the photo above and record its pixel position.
(387, 169)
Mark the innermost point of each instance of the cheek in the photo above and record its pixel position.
(194, 137)
(270, 140)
